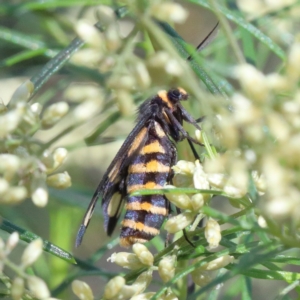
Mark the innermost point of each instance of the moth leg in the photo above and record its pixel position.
(184, 231)
(181, 129)
(197, 157)
(168, 236)
(199, 120)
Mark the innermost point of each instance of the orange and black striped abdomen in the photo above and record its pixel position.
(149, 169)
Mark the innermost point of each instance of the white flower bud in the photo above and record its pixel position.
(182, 180)
(126, 260)
(229, 133)
(32, 252)
(182, 201)
(253, 82)
(179, 222)
(212, 233)
(291, 107)
(250, 156)
(3, 186)
(9, 165)
(12, 242)
(60, 180)
(201, 278)
(39, 193)
(59, 156)
(184, 167)
(145, 296)
(197, 201)
(30, 119)
(47, 159)
(89, 34)
(22, 93)
(142, 282)
(106, 14)
(233, 191)
(10, 120)
(169, 12)
(142, 76)
(262, 222)
(107, 63)
(143, 254)
(218, 263)
(253, 7)
(278, 126)
(54, 113)
(169, 296)
(158, 60)
(38, 287)
(82, 92)
(53, 160)
(113, 287)
(173, 68)
(254, 133)
(199, 177)
(36, 108)
(87, 57)
(198, 135)
(14, 195)
(125, 102)
(282, 207)
(166, 268)
(216, 180)
(245, 112)
(277, 5)
(121, 82)
(294, 62)
(17, 288)
(113, 41)
(239, 178)
(277, 82)
(82, 290)
(86, 110)
(276, 178)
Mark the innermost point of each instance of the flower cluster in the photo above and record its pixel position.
(142, 258)
(27, 165)
(261, 134)
(23, 285)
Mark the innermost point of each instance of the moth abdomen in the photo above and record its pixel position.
(143, 218)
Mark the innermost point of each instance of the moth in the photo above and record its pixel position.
(144, 161)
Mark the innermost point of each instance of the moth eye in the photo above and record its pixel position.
(175, 95)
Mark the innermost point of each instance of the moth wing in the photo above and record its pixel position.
(112, 186)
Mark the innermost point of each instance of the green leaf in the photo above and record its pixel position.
(246, 288)
(28, 237)
(271, 275)
(174, 191)
(24, 55)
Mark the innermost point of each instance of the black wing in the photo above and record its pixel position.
(111, 187)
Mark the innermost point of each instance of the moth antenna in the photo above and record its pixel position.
(211, 35)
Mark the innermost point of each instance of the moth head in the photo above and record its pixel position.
(176, 95)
